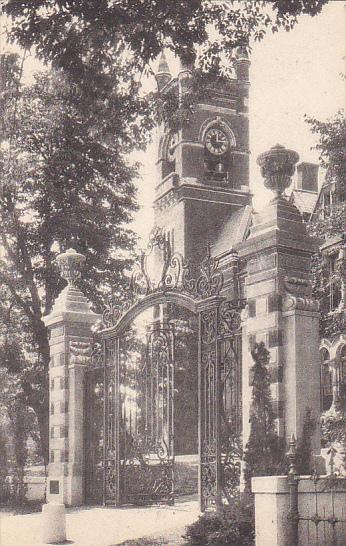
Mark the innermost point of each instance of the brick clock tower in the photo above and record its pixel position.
(203, 169)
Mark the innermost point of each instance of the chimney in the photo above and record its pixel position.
(307, 177)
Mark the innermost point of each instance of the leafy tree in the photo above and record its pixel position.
(62, 183)
(74, 34)
(105, 47)
(20, 424)
(3, 461)
(332, 146)
(17, 422)
(264, 452)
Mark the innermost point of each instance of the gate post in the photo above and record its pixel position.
(69, 325)
(209, 378)
(280, 309)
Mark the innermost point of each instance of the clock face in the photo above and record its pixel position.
(216, 141)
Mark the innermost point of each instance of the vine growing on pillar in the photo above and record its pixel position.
(264, 452)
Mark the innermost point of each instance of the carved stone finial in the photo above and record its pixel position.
(70, 265)
(277, 168)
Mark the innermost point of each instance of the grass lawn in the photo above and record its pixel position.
(28, 507)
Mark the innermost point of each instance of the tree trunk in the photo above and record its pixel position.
(43, 424)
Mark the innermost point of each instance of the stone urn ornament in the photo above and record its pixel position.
(70, 263)
(277, 168)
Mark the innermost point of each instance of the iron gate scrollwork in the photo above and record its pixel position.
(138, 380)
(220, 401)
(209, 384)
(230, 356)
(93, 427)
(146, 464)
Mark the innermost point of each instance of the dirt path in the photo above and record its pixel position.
(172, 538)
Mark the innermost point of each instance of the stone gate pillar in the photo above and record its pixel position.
(69, 326)
(280, 310)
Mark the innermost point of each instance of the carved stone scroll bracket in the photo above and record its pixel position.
(297, 286)
(292, 302)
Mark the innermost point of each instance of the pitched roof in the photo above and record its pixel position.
(305, 201)
(233, 231)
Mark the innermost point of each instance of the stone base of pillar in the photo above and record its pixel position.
(56, 489)
(271, 509)
(74, 490)
(54, 523)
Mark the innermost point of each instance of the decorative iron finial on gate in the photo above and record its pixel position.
(292, 457)
(70, 263)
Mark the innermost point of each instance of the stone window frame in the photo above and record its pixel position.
(326, 387)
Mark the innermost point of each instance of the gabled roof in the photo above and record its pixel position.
(233, 231)
(305, 201)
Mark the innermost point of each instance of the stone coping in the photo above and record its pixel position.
(71, 316)
(279, 485)
(35, 479)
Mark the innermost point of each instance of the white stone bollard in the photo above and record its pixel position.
(54, 523)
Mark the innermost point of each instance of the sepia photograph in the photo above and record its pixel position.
(173, 272)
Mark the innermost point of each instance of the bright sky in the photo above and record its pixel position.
(292, 74)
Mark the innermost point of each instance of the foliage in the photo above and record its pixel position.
(75, 35)
(332, 224)
(4, 493)
(264, 452)
(304, 447)
(105, 47)
(62, 183)
(234, 526)
(333, 426)
(19, 419)
(18, 422)
(332, 146)
(176, 110)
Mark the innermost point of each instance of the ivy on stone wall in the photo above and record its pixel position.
(265, 452)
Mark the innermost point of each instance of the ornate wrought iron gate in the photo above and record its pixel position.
(146, 384)
(94, 436)
(138, 383)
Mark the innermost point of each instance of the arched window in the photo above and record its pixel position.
(326, 381)
(334, 280)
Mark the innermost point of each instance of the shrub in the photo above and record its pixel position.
(264, 453)
(304, 447)
(234, 526)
